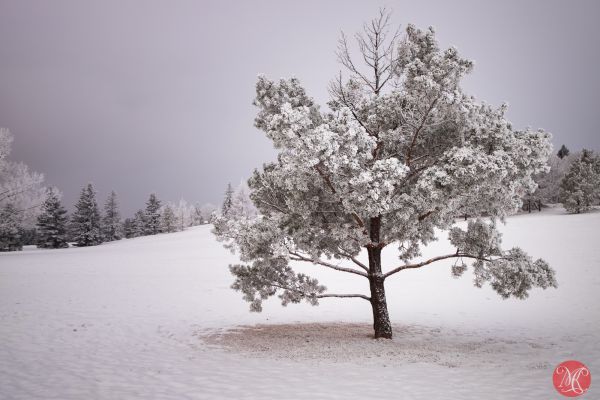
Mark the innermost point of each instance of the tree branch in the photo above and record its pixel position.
(427, 214)
(432, 260)
(414, 139)
(30, 208)
(354, 260)
(20, 190)
(376, 54)
(300, 257)
(337, 91)
(320, 296)
(362, 296)
(273, 206)
(325, 177)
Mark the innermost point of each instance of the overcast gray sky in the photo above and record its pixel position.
(143, 96)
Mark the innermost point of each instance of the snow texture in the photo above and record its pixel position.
(154, 317)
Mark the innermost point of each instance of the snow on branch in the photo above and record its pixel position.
(298, 257)
(510, 273)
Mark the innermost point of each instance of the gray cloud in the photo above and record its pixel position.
(142, 96)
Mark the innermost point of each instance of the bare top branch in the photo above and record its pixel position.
(377, 49)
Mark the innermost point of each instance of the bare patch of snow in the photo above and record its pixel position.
(352, 343)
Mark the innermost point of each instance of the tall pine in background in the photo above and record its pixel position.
(152, 215)
(169, 221)
(227, 201)
(86, 219)
(197, 217)
(139, 223)
(111, 222)
(52, 223)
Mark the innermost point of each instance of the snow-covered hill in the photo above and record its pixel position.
(140, 318)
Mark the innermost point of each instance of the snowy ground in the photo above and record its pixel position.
(154, 318)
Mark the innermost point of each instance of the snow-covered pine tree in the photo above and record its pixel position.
(548, 183)
(139, 223)
(240, 207)
(208, 212)
(169, 221)
(197, 216)
(85, 221)
(563, 152)
(10, 228)
(400, 152)
(227, 200)
(580, 187)
(52, 222)
(112, 228)
(152, 215)
(29, 236)
(241, 204)
(128, 228)
(184, 213)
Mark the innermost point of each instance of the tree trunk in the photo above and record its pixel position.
(381, 318)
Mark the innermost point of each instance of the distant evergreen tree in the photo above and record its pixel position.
(111, 222)
(197, 217)
(86, 219)
(169, 220)
(152, 215)
(52, 223)
(139, 223)
(563, 152)
(129, 228)
(548, 183)
(241, 204)
(10, 228)
(227, 202)
(209, 212)
(580, 188)
(29, 236)
(184, 213)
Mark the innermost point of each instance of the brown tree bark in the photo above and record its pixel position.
(381, 318)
